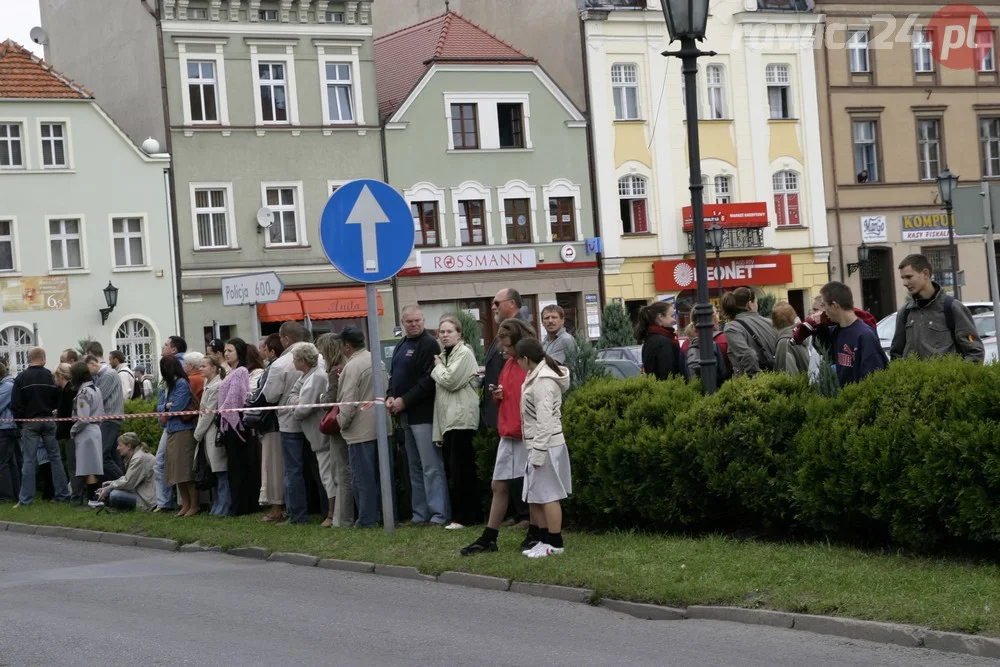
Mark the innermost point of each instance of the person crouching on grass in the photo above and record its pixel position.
(548, 478)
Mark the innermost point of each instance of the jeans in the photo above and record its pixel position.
(33, 435)
(363, 458)
(114, 467)
(10, 476)
(123, 500)
(428, 484)
(223, 501)
(293, 452)
(164, 492)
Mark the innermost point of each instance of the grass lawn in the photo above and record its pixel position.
(809, 578)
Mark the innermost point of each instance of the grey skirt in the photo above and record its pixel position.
(511, 459)
(551, 481)
(89, 451)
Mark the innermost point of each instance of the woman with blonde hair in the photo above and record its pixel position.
(456, 418)
(332, 348)
(206, 434)
(310, 389)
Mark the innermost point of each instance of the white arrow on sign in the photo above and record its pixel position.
(369, 215)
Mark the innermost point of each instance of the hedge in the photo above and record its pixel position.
(910, 456)
(147, 428)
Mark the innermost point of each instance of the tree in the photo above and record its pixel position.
(616, 328)
(765, 304)
(83, 344)
(472, 334)
(827, 384)
(582, 362)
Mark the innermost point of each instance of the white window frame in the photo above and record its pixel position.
(190, 13)
(488, 120)
(874, 143)
(991, 55)
(778, 81)
(25, 160)
(859, 59)
(262, 15)
(618, 90)
(15, 252)
(333, 185)
(728, 192)
(143, 235)
(84, 266)
(785, 190)
(718, 87)
(632, 193)
(989, 145)
(332, 16)
(924, 149)
(425, 191)
(518, 189)
(354, 61)
(291, 90)
(230, 215)
(472, 191)
(300, 213)
(67, 144)
(922, 48)
(222, 99)
(561, 187)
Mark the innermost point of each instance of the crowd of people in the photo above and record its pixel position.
(251, 427)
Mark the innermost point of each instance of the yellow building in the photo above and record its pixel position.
(760, 148)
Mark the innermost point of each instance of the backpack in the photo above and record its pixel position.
(764, 358)
(722, 367)
(137, 389)
(899, 337)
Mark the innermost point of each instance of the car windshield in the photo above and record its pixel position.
(986, 326)
(887, 327)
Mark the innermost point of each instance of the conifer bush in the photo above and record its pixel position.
(147, 428)
(616, 328)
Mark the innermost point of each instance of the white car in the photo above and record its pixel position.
(887, 325)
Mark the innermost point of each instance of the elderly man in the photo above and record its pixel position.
(107, 381)
(411, 391)
(33, 396)
(557, 341)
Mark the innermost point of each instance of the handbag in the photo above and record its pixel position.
(194, 405)
(204, 478)
(330, 425)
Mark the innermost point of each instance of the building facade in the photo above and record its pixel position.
(760, 151)
(271, 105)
(897, 117)
(81, 208)
(492, 157)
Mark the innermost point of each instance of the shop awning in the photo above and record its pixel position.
(334, 303)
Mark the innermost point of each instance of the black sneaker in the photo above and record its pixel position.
(480, 546)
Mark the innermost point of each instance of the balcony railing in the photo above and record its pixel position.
(612, 4)
(735, 239)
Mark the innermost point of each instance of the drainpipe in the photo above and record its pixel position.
(591, 165)
(172, 185)
(833, 153)
(385, 177)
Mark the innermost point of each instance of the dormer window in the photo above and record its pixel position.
(335, 17)
(197, 14)
(268, 15)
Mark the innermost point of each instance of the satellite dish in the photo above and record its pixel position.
(265, 218)
(38, 36)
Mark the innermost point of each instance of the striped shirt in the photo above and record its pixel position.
(111, 389)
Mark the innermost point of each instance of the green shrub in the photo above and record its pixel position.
(616, 328)
(147, 428)
(472, 334)
(765, 304)
(582, 362)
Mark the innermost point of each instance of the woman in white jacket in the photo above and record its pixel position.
(310, 389)
(206, 435)
(548, 478)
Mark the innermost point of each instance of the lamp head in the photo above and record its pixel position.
(686, 18)
(716, 235)
(947, 182)
(111, 295)
(862, 253)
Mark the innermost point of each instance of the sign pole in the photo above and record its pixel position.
(388, 507)
(254, 325)
(991, 255)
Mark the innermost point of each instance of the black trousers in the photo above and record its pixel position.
(243, 464)
(463, 477)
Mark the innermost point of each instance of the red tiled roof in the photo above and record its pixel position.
(402, 57)
(23, 75)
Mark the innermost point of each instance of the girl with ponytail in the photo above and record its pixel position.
(661, 353)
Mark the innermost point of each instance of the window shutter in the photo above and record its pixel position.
(639, 216)
(793, 209)
(779, 208)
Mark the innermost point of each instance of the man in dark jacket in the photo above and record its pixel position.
(411, 399)
(855, 348)
(35, 395)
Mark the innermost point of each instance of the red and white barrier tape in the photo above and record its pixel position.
(184, 413)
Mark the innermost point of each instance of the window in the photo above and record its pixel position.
(15, 345)
(269, 15)
(940, 259)
(625, 88)
(517, 213)
(866, 150)
(929, 148)
(6, 245)
(779, 91)
(273, 102)
(723, 189)
(425, 224)
(65, 244)
(985, 61)
(716, 91)
(11, 151)
(197, 14)
(127, 236)
(53, 145)
(510, 120)
(786, 198)
(202, 91)
(339, 93)
(471, 217)
(989, 136)
(561, 218)
(464, 126)
(212, 218)
(283, 203)
(923, 59)
(135, 340)
(335, 17)
(632, 200)
(857, 51)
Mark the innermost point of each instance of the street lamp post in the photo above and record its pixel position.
(716, 235)
(686, 21)
(947, 182)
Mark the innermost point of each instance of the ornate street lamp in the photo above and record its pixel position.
(947, 182)
(716, 236)
(110, 298)
(862, 259)
(686, 21)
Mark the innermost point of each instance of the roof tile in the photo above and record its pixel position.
(23, 75)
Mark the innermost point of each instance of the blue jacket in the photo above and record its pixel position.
(6, 393)
(179, 399)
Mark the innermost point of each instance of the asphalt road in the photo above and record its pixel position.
(74, 603)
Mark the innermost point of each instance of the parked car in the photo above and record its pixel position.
(887, 325)
(620, 368)
(986, 327)
(632, 353)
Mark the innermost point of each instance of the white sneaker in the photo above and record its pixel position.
(544, 550)
(454, 525)
(95, 503)
(529, 552)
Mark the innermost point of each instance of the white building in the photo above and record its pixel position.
(81, 207)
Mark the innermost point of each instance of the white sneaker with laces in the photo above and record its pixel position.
(95, 503)
(529, 552)
(543, 550)
(454, 525)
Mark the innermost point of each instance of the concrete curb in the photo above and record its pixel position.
(882, 633)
